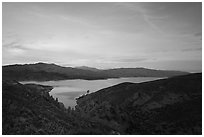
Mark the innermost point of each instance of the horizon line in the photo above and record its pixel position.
(77, 67)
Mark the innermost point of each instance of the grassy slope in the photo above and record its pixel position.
(182, 114)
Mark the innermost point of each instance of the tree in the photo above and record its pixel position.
(69, 109)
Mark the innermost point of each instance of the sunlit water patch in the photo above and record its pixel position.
(67, 90)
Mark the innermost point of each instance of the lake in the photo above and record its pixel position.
(67, 90)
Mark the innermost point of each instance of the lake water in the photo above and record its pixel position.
(67, 90)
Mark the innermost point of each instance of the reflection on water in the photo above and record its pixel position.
(67, 90)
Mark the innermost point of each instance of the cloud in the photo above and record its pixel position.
(198, 34)
(129, 60)
(120, 59)
(192, 49)
(14, 45)
(101, 34)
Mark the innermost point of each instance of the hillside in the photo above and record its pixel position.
(29, 109)
(142, 72)
(46, 72)
(166, 106)
(88, 68)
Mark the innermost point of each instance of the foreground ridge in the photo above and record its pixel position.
(166, 106)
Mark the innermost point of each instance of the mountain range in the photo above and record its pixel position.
(88, 68)
(45, 72)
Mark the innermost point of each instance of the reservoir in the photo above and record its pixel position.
(67, 90)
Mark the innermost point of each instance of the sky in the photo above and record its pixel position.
(104, 35)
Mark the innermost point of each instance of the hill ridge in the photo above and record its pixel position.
(43, 72)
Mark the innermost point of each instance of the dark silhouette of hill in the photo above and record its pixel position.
(29, 109)
(45, 72)
(141, 72)
(88, 68)
(166, 106)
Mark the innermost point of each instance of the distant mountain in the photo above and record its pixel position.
(88, 68)
(142, 72)
(166, 106)
(45, 72)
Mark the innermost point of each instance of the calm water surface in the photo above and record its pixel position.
(67, 90)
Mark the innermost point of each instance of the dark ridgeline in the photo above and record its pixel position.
(46, 72)
(167, 106)
(29, 109)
